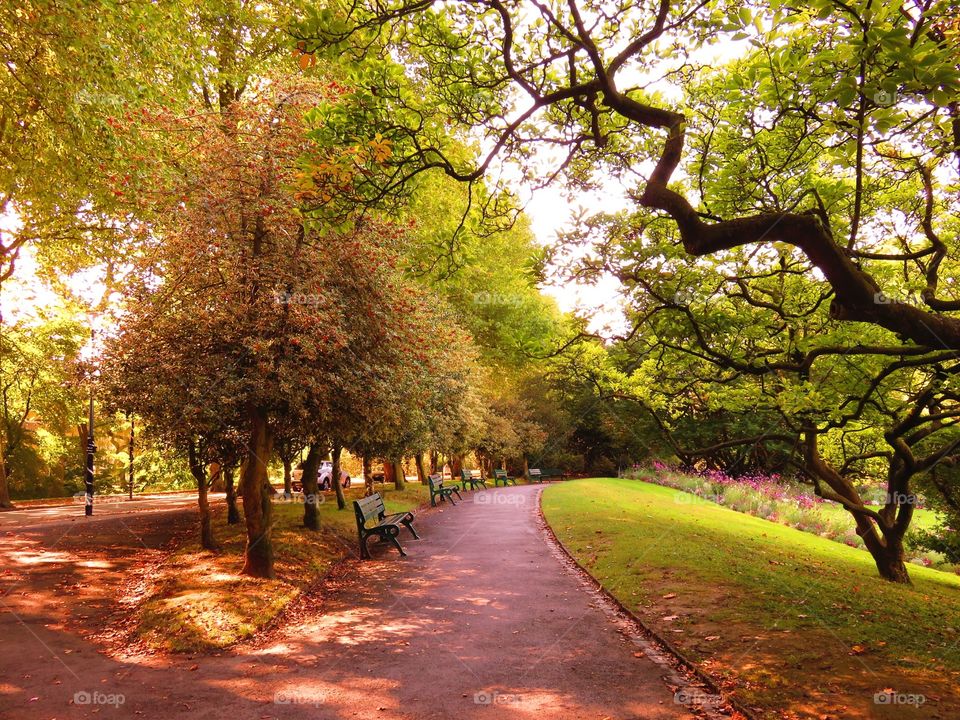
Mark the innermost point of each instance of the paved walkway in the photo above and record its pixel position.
(481, 620)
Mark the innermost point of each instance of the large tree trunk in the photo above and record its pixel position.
(399, 477)
(887, 552)
(886, 548)
(367, 476)
(257, 510)
(335, 476)
(456, 465)
(892, 567)
(421, 471)
(4, 488)
(311, 488)
(434, 462)
(207, 541)
(233, 513)
(526, 467)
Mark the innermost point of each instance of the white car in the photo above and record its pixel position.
(323, 477)
(326, 474)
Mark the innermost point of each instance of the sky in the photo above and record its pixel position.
(550, 212)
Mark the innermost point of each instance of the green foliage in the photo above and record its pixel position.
(38, 364)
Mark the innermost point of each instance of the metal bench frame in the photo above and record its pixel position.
(387, 527)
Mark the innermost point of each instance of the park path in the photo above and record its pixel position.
(481, 620)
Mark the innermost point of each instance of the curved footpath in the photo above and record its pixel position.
(481, 620)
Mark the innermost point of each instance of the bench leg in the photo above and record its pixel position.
(409, 525)
(458, 495)
(396, 544)
(450, 498)
(364, 552)
(433, 500)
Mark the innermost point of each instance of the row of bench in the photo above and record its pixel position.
(387, 527)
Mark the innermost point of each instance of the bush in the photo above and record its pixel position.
(942, 540)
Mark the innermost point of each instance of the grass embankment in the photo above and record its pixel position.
(790, 623)
(199, 602)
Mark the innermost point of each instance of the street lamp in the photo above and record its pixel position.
(91, 448)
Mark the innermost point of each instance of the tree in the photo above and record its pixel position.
(36, 359)
(210, 326)
(833, 131)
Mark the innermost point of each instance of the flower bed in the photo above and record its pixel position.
(773, 498)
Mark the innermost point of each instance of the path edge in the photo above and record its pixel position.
(639, 625)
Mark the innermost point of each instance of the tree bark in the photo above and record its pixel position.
(434, 462)
(257, 509)
(335, 476)
(421, 471)
(311, 489)
(287, 478)
(890, 563)
(399, 477)
(207, 541)
(233, 513)
(4, 488)
(456, 465)
(885, 545)
(216, 477)
(367, 476)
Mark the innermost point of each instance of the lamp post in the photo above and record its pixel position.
(91, 451)
(130, 457)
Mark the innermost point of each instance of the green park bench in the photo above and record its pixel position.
(386, 527)
(500, 476)
(471, 478)
(552, 474)
(534, 475)
(437, 489)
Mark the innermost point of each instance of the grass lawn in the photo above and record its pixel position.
(793, 624)
(199, 602)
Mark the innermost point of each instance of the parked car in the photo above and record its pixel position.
(323, 477)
